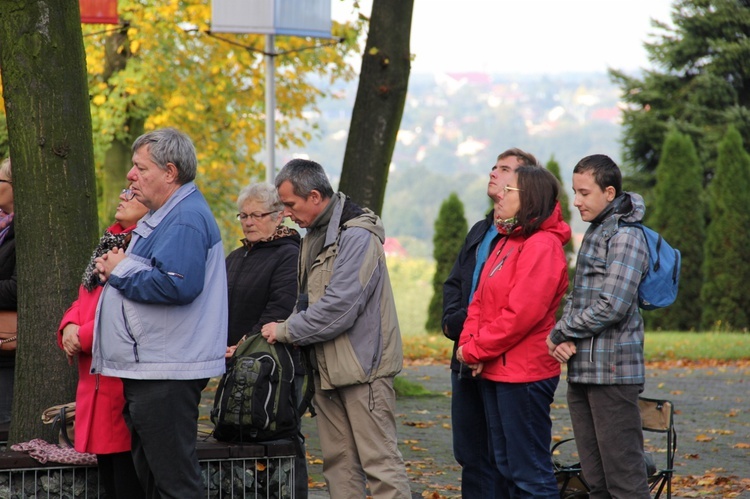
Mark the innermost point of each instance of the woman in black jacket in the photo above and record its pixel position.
(262, 273)
(262, 280)
(7, 286)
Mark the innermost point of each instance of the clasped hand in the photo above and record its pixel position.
(562, 352)
(476, 369)
(106, 263)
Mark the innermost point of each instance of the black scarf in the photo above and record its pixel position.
(108, 242)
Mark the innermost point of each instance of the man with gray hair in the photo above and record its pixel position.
(346, 311)
(161, 321)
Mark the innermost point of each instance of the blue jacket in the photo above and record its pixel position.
(163, 311)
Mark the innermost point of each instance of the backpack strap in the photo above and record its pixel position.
(307, 363)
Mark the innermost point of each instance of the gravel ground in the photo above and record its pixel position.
(712, 418)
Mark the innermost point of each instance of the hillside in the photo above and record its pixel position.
(453, 128)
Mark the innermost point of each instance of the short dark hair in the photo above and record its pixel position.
(305, 176)
(524, 158)
(538, 196)
(605, 171)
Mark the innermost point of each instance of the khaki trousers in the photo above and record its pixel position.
(357, 429)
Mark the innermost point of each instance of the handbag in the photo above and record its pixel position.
(8, 332)
(62, 418)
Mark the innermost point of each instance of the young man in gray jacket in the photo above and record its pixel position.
(600, 334)
(346, 311)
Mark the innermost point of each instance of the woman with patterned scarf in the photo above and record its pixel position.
(100, 426)
(504, 336)
(262, 278)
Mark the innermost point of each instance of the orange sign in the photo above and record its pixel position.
(99, 12)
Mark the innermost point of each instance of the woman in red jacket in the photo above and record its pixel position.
(509, 318)
(100, 426)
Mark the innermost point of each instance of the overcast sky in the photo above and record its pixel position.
(529, 36)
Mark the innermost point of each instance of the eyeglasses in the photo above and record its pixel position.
(509, 188)
(253, 216)
(3, 181)
(129, 195)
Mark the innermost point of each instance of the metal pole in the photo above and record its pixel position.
(270, 108)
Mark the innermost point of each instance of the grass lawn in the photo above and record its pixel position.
(661, 346)
(411, 279)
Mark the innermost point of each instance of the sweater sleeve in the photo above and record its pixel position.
(454, 310)
(282, 292)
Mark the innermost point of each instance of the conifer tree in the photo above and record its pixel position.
(678, 215)
(450, 231)
(726, 287)
(554, 167)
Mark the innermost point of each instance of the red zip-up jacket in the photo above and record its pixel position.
(513, 309)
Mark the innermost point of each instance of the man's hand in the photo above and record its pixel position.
(71, 342)
(269, 332)
(106, 263)
(564, 351)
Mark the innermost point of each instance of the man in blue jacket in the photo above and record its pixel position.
(162, 318)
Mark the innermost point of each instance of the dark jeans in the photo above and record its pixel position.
(521, 434)
(117, 476)
(607, 428)
(480, 479)
(162, 416)
(7, 374)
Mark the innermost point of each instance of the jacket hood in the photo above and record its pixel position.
(366, 220)
(628, 207)
(555, 225)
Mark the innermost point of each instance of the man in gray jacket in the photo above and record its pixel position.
(346, 311)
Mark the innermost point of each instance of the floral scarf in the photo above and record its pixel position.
(506, 226)
(107, 242)
(281, 231)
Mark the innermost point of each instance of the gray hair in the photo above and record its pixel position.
(5, 169)
(264, 193)
(305, 176)
(169, 145)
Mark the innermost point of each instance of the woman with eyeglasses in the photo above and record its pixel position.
(262, 273)
(504, 337)
(100, 426)
(8, 297)
(262, 280)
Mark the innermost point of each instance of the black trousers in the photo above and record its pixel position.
(162, 416)
(117, 476)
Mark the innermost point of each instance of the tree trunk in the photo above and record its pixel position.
(118, 158)
(381, 95)
(49, 127)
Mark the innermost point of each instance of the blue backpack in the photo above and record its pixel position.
(658, 288)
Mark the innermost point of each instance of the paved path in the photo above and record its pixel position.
(712, 419)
